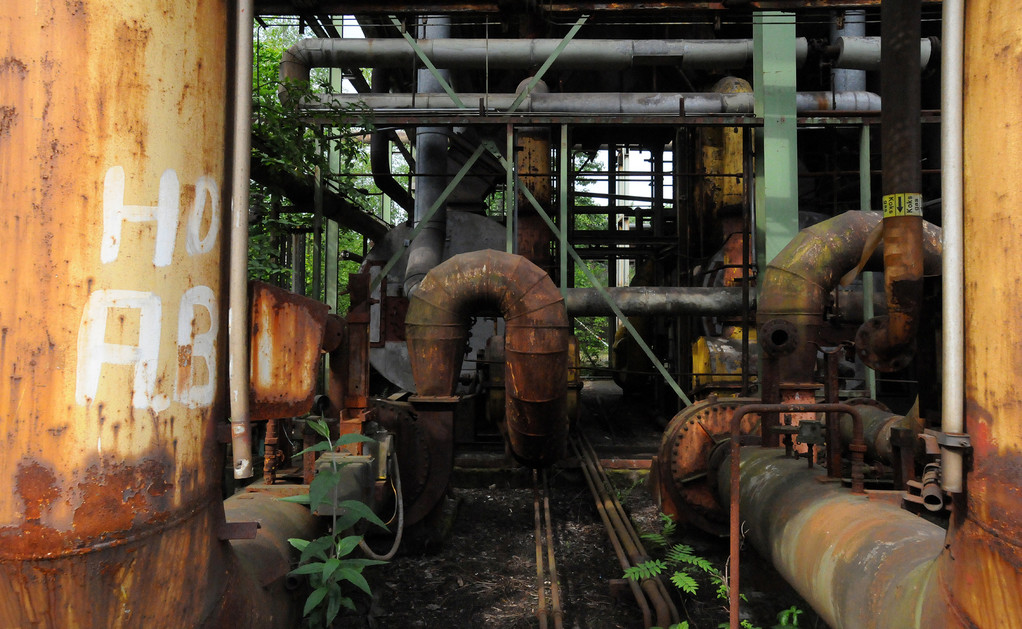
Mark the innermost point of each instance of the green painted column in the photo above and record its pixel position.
(776, 146)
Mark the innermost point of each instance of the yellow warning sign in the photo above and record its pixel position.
(903, 204)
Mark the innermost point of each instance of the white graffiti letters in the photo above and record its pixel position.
(124, 327)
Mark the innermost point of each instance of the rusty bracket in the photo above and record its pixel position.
(950, 440)
(237, 530)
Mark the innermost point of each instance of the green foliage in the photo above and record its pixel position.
(325, 560)
(286, 148)
(645, 570)
(659, 539)
(788, 617)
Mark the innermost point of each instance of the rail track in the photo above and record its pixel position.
(651, 596)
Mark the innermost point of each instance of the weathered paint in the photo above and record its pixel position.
(287, 339)
(986, 526)
(111, 325)
(536, 342)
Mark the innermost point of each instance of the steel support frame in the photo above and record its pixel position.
(776, 144)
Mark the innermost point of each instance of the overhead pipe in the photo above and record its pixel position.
(379, 157)
(431, 144)
(887, 342)
(536, 342)
(655, 300)
(113, 381)
(952, 289)
(863, 53)
(468, 54)
(640, 103)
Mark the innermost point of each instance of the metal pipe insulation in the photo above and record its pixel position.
(863, 53)
(536, 342)
(844, 24)
(887, 343)
(237, 318)
(656, 300)
(464, 54)
(952, 289)
(426, 251)
(644, 103)
(859, 563)
(797, 281)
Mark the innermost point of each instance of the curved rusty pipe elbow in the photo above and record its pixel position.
(796, 283)
(536, 342)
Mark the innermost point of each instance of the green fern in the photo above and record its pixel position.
(682, 554)
(684, 582)
(667, 530)
(645, 570)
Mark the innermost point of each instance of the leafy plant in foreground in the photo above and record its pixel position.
(326, 559)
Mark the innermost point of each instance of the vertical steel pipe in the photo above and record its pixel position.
(887, 343)
(238, 330)
(952, 282)
(426, 251)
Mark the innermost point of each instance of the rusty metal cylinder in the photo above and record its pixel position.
(986, 526)
(112, 316)
(859, 563)
(536, 342)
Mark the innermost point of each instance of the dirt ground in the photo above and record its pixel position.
(484, 572)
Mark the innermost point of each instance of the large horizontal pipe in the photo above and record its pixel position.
(664, 300)
(675, 103)
(857, 562)
(579, 54)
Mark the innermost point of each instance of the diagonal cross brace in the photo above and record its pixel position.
(534, 81)
(599, 287)
(429, 64)
(429, 214)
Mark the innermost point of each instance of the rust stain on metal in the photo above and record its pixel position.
(287, 338)
(536, 342)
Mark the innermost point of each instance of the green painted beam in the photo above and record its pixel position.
(776, 145)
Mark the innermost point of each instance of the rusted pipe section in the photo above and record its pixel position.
(858, 448)
(797, 281)
(887, 343)
(536, 342)
(859, 563)
(877, 425)
(619, 527)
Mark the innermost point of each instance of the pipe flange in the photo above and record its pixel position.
(778, 337)
(872, 349)
(687, 444)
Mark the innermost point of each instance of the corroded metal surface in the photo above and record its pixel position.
(536, 342)
(287, 336)
(986, 527)
(686, 489)
(796, 283)
(859, 563)
(111, 325)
